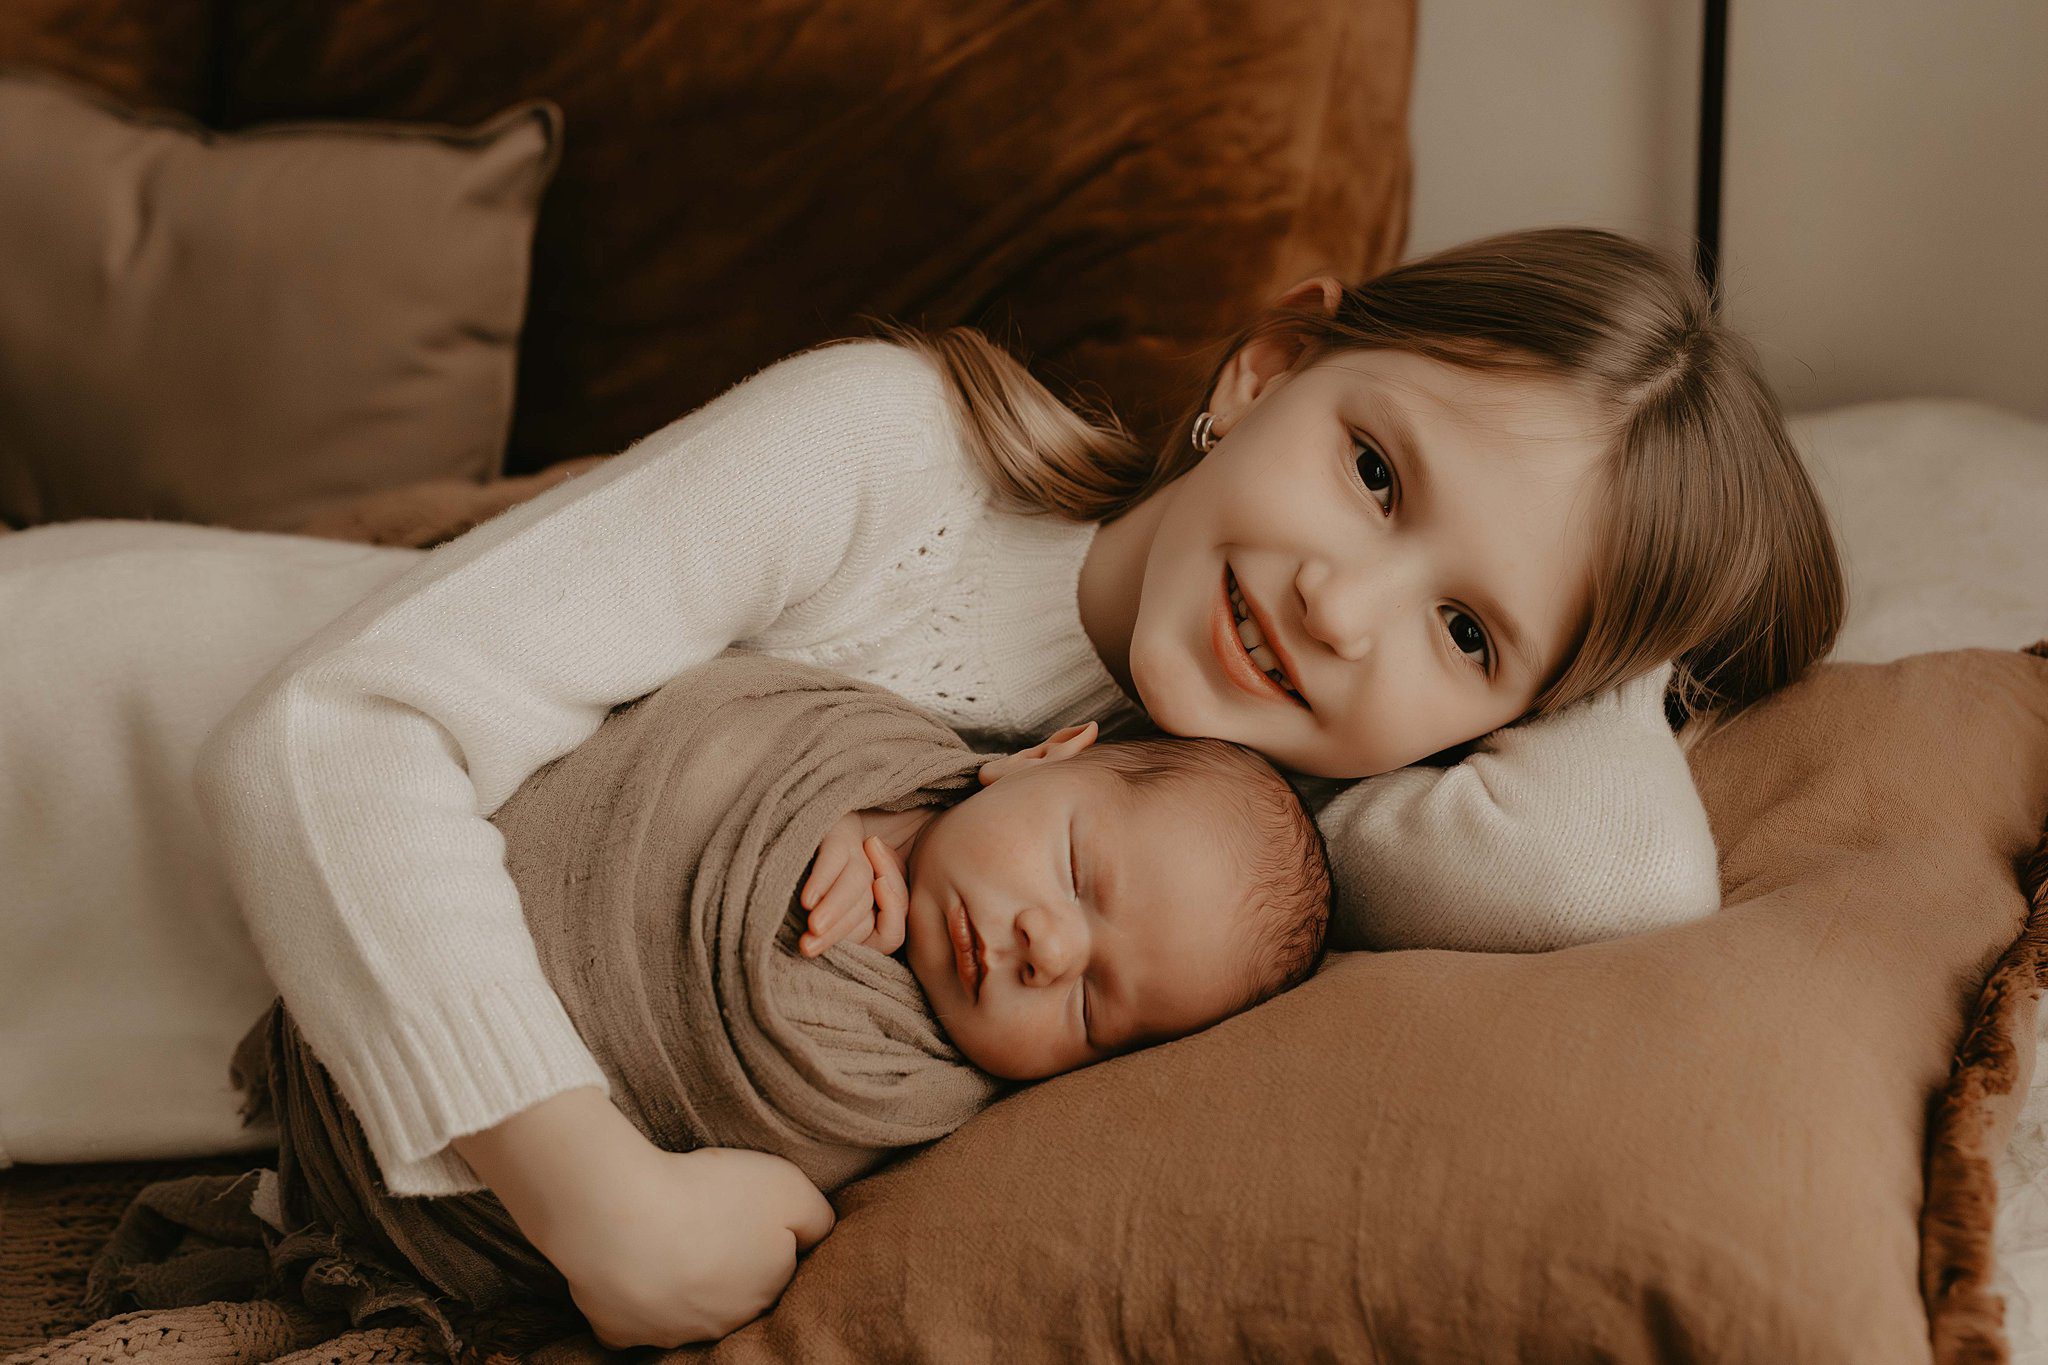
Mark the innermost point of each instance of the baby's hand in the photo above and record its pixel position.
(855, 891)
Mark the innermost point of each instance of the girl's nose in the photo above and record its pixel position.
(1341, 608)
(1047, 944)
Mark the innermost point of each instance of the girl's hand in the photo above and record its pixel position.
(846, 893)
(658, 1248)
(688, 1246)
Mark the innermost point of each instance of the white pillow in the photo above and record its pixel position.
(1941, 506)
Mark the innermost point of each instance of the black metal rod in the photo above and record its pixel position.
(215, 96)
(1707, 196)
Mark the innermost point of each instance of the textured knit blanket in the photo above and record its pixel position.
(658, 865)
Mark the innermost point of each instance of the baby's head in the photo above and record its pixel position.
(1114, 896)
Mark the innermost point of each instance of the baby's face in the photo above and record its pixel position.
(1092, 919)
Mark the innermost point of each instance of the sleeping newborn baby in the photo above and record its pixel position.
(1018, 917)
(1088, 901)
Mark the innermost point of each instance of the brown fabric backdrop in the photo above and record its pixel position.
(1113, 185)
(1110, 187)
(146, 52)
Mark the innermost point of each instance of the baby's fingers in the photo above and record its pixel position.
(843, 909)
(825, 869)
(837, 851)
(892, 901)
(883, 862)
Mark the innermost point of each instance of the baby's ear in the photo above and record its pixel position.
(1054, 747)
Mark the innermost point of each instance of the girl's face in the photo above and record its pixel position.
(1408, 539)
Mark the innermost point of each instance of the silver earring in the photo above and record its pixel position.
(1204, 435)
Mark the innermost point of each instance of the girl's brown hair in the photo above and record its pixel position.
(1714, 550)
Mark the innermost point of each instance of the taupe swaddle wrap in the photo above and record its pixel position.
(657, 864)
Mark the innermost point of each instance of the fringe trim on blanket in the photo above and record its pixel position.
(1965, 1316)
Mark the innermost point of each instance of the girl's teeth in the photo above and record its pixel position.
(1255, 643)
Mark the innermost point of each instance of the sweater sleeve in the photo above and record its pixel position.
(349, 792)
(1576, 826)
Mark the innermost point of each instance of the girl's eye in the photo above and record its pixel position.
(1375, 471)
(1477, 636)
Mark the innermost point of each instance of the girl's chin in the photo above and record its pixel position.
(1180, 705)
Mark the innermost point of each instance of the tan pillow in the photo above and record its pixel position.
(245, 328)
(1705, 1143)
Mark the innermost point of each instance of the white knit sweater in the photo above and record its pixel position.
(825, 511)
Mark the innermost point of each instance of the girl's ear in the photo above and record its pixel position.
(1317, 294)
(1054, 747)
(1261, 362)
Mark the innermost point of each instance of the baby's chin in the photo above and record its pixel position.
(998, 1068)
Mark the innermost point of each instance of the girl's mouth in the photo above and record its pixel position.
(1234, 636)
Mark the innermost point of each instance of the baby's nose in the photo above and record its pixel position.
(1048, 945)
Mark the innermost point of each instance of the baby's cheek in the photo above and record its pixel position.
(915, 932)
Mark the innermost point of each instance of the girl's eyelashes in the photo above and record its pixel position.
(1372, 469)
(1371, 460)
(1482, 663)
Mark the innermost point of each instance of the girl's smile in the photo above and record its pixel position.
(1382, 557)
(1237, 633)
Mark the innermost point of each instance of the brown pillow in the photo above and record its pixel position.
(1114, 186)
(1704, 1143)
(244, 328)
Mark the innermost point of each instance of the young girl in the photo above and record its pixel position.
(1524, 480)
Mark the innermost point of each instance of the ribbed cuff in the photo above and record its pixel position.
(458, 1066)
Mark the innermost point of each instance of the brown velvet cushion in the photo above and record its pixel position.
(244, 329)
(1701, 1144)
(1113, 185)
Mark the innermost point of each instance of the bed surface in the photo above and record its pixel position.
(1942, 510)
(1940, 504)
